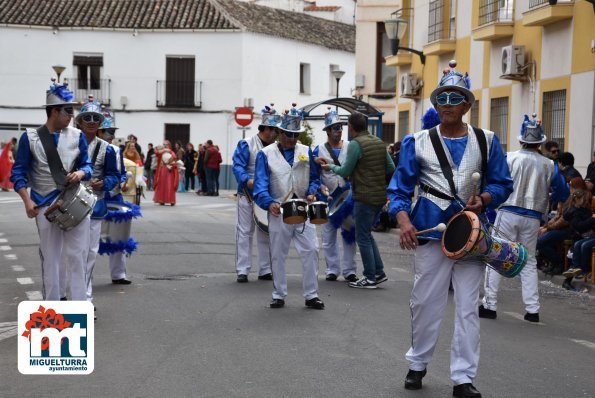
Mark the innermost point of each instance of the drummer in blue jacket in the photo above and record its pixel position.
(31, 169)
(419, 164)
(244, 164)
(286, 171)
(104, 178)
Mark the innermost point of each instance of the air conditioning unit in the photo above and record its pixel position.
(410, 85)
(360, 81)
(513, 62)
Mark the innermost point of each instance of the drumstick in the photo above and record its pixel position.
(475, 178)
(440, 228)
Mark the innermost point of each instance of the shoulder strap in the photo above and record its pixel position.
(51, 152)
(96, 152)
(444, 165)
(483, 147)
(332, 153)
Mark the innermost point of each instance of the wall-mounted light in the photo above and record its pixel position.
(135, 33)
(55, 30)
(395, 30)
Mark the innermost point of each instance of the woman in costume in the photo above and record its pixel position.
(6, 162)
(166, 176)
(131, 153)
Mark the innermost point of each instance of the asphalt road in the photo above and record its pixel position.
(185, 328)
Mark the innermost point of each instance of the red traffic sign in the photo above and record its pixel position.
(243, 116)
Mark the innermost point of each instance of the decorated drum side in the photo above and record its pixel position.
(116, 231)
(318, 213)
(294, 211)
(341, 209)
(261, 218)
(71, 207)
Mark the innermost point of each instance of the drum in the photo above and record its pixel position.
(71, 207)
(341, 211)
(294, 211)
(318, 213)
(117, 231)
(466, 238)
(261, 219)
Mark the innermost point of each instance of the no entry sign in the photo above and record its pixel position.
(243, 116)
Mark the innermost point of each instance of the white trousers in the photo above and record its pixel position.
(244, 233)
(334, 263)
(58, 248)
(524, 230)
(94, 233)
(433, 274)
(306, 245)
(117, 265)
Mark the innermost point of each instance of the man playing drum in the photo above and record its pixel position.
(244, 161)
(335, 151)
(285, 171)
(518, 219)
(420, 164)
(32, 168)
(104, 178)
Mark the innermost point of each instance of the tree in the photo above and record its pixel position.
(306, 137)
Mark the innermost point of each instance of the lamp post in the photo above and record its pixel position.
(395, 30)
(338, 74)
(58, 69)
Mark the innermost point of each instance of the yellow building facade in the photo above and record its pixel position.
(522, 56)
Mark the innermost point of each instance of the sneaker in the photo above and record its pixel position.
(381, 278)
(315, 303)
(351, 278)
(567, 284)
(331, 277)
(265, 277)
(363, 283)
(242, 278)
(532, 317)
(571, 272)
(486, 313)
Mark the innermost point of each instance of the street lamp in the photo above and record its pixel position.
(395, 30)
(58, 69)
(338, 74)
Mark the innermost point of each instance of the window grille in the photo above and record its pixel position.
(403, 124)
(491, 11)
(554, 115)
(499, 120)
(474, 114)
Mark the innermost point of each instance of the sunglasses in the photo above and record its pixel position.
(291, 135)
(91, 118)
(68, 110)
(450, 99)
(337, 128)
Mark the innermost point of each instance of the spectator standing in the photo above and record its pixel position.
(367, 164)
(132, 138)
(552, 150)
(131, 153)
(189, 160)
(590, 178)
(212, 160)
(179, 150)
(6, 162)
(167, 175)
(566, 162)
(200, 169)
(149, 173)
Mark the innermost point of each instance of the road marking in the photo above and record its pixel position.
(5, 248)
(522, 318)
(217, 205)
(2, 240)
(18, 268)
(586, 343)
(25, 281)
(34, 296)
(10, 256)
(10, 200)
(8, 329)
(400, 269)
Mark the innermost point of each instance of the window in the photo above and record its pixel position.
(332, 80)
(436, 21)
(554, 115)
(499, 120)
(88, 71)
(179, 81)
(474, 114)
(491, 11)
(452, 21)
(403, 124)
(304, 78)
(386, 76)
(177, 133)
(388, 133)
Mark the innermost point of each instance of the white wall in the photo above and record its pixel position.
(556, 53)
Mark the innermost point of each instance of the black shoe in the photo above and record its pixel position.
(242, 278)
(532, 317)
(413, 379)
(64, 298)
(315, 303)
(567, 284)
(485, 313)
(331, 277)
(265, 277)
(122, 281)
(277, 303)
(381, 278)
(466, 390)
(351, 278)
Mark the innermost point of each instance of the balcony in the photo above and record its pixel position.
(98, 88)
(541, 13)
(183, 95)
(495, 20)
(441, 30)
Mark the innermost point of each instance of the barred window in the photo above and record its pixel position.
(491, 11)
(388, 133)
(403, 124)
(499, 120)
(436, 21)
(474, 114)
(554, 115)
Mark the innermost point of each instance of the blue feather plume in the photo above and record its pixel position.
(430, 119)
(63, 93)
(108, 247)
(118, 216)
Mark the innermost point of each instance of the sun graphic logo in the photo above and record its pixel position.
(56, 337)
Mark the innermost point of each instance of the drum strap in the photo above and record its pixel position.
(96, 153)
(53, 157)
(444, 165)
(332, 153)
(483, 147)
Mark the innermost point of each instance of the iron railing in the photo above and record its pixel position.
(179, 94)
(438, 27)
(99, 89)
(539, 3)
(492, 11)
(554, 115)
(499, 120)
